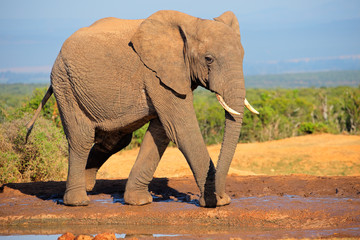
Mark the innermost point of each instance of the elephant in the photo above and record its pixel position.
(111, 78)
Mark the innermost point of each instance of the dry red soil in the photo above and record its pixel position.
(268, 207)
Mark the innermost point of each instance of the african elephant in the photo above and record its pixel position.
(114, 76)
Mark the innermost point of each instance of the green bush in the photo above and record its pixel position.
(13, 96)
(352, 111)
(138, 136)
(309, 128)
(49, 111)
(44, 157)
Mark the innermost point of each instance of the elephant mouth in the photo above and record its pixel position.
(232, 111)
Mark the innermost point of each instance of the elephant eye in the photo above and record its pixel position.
(209, 60)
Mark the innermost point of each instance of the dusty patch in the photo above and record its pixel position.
(324, 154)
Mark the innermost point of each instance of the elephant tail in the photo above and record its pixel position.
(30, 124)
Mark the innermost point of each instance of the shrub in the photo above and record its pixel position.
(309, 128)
(49, 111)
(42, 158)
(352, 111)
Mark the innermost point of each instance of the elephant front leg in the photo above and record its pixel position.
(182, 128)
(177, 115)
(191, 144)
(151, 150)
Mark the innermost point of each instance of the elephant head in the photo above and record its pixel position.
(185, 52)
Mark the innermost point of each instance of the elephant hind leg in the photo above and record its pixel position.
(80, 138)
(79, 130)
(110, 144)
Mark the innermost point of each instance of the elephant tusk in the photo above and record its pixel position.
(248, 106)
(225, 106)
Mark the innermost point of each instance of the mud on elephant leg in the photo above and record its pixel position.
(101, 152)
(151, 150)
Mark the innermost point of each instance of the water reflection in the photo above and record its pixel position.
(56, 236)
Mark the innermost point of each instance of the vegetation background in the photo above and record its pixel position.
(308, 103)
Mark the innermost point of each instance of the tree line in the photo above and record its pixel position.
(283, 113)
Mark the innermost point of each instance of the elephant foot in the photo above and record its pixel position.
(208, 200)
(137, 198)
(214, 200)
(222, 200)
(90, 179)
(76, 198)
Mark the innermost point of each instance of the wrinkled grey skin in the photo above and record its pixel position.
(111, 78)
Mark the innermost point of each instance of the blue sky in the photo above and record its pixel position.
(32, 32)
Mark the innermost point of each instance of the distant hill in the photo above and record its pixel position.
(291, 80)
(303, 80)
(340, 63)
(9, 77)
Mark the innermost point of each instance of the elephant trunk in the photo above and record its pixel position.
(235, 98)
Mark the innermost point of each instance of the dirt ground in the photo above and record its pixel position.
(263, 206)
(324, 154)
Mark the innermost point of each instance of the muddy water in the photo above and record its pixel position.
(267, 217)
(262, 207)
(146, 232)
(56, 236)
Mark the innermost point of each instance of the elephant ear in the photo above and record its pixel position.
(230, 19)
(160, 42)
